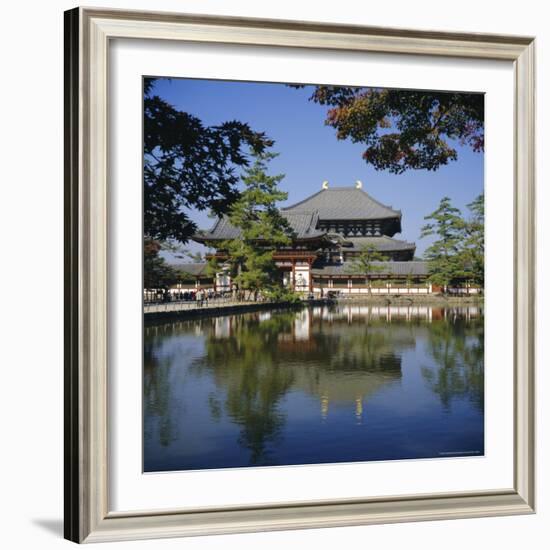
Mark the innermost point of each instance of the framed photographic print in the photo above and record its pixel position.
(299, 275)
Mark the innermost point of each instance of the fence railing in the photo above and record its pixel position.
(185, 305)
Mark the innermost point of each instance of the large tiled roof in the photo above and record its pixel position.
(382, 243)
(387, 268)
(345, 203)
(303, 223)
(221, 230)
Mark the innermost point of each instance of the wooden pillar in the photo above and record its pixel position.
(293, 274)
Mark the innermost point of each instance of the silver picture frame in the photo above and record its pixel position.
(88, 33)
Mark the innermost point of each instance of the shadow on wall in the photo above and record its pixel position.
(53, 526)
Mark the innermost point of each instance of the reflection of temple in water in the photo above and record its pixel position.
(262, 381)
(304, 319)
(336, 388)
(340, 355)
(394, 312)
(341, 364)
(223, 326)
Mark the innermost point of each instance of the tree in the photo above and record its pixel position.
(458, 351)
(189, 165)
(446, 262)
(250, 370)
(364, 263)
(246, 369)
(474, 241)
(156, 272)
(263, 229)
(403, 129)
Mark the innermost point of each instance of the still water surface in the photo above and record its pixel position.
(324, 384)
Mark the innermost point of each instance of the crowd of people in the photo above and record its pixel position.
(200, 295)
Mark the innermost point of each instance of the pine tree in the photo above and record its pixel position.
(446, 262)
(262, 231)
(474, 241)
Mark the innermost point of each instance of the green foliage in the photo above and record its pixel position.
(445, 262)
(458, 351)
(474, 241)
(156, 272)
(278, 293)
(213, 267)
(457, 254)
(189, 165)
(402, 129)
(263, 230)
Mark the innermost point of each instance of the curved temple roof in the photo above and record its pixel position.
(303, 224)
(345, 203)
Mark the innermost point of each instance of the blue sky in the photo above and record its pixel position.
(309, 152)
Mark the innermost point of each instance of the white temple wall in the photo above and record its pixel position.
(374, 291)
(302, 276)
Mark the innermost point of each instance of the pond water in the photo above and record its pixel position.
(324, 384)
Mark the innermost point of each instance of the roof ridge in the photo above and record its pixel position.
(344, 188)
(304, 200)
(311, 211)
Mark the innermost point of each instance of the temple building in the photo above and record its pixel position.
(331, 228)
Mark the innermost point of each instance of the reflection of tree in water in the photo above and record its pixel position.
(365, 348)
(256, 359)
(157, 386)
(245, 365)
(457, 347)
(258, 362)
